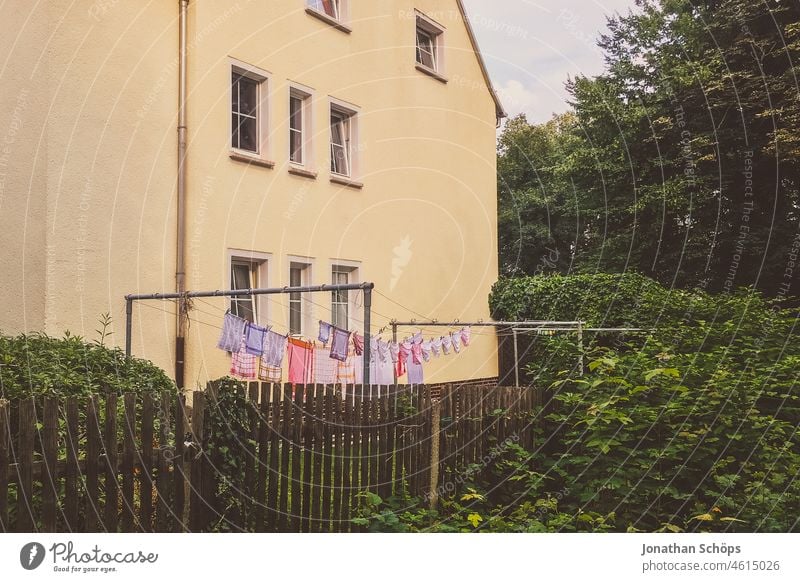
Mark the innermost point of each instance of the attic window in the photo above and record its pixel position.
(429, 45)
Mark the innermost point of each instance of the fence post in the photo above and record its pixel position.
(436, 417)
(4, 440)
(196, 453)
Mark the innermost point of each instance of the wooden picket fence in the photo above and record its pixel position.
(139, 463)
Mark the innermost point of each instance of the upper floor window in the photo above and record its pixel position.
(342, 138)
(244, 109)
(299, 126)
(430, 44)
(331, 8)
(248, 111)
(244, 276)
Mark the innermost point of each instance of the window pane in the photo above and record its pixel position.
(295, 317)
(425, 49)
(248, 134)
(296, 147)
(235, 140)
(243, 307)
(240, 276)
(337, 129)
(248, 96)
(296, 113)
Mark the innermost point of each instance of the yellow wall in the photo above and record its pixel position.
(427, 162)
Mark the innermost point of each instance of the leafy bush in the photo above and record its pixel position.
(38, 365)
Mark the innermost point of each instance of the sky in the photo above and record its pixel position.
(532, 47)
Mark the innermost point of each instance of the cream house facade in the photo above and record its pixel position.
(327, 141)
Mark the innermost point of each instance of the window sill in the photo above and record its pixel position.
(298, 171)
(251, 159)
(345, 181)
(431, 73)
(329, 20)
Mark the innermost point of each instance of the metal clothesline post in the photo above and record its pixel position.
(366, 287)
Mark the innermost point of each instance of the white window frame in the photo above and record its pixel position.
(259, 264)
(435, 32)
(306, 266)
(350, 133)
(262, 78)
(340, 14)
(306, 96)
(352, 269)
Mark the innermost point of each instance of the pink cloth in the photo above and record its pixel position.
(466, 336)
(358, 344)
(404, 350)
(447, 343)
(456, 339)
(243, 364)
(301, 362)
(416, 352)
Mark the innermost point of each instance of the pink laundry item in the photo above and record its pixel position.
(243, 364)
(416, 353)
(394, 352)
(436, 347)
(466, 336)
(325, 367)
(358, 343)
(447, 345)
(301, 361)
(456, 339)
(426, 351)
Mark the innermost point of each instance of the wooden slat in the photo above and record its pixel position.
(179, 472)
(274, 436)
(338, 459)
(145, 459)
(383, 440)
(308, 443)
(287, 426)
(261, 433)
(5, 439)
(197, 503)
(128, 454)
(297, 459)
(375, 458)
(427, 435)
(317, 452)
(254, 472)
(71, 470)
(166, 456)
(50, 480)
(111, 513)
(27, 428)
(347, 458)
(92, 506)
(358, 448)
(327, 457)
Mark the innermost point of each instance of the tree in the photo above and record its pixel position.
(680, 161)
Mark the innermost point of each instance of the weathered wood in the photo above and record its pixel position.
(287, 427)
(297, 454)
(27, 428)
(338, 459)
(251, 496)
(111, 513)
(328, 426)
(317, 450)
(128, 454)
(347, 458)
(92, 507)
(358, 448)
(166, 458)
(179, 467)
(275, 436)
(384, 479)
(5, 439)
(50, 478)
(308, 443)
(71, 468)
(261, 434)
(145, 459)
(365, 439)
(197, 504)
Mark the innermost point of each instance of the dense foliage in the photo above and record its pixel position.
(38, 365)
(680, 161)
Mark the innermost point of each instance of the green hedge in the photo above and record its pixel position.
(36, 364)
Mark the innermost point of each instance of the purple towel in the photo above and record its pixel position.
(340, 344)
(254, 337)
